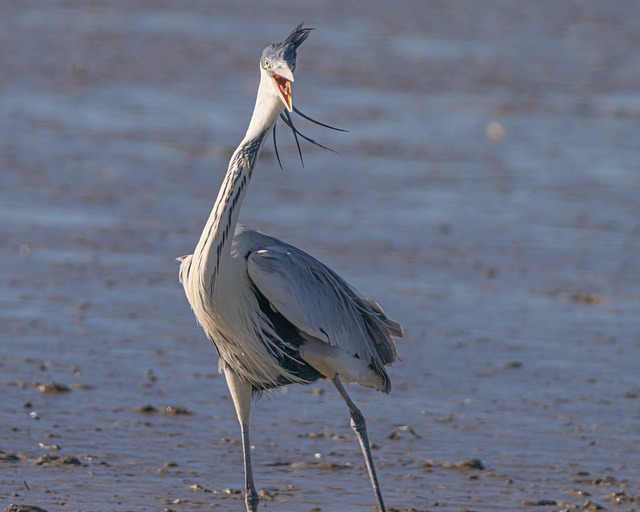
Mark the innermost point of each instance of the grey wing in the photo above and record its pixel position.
(321, 304)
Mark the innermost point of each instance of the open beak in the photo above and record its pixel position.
(283, 85)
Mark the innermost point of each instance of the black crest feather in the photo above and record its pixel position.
(298, 36)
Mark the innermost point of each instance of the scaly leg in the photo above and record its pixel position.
(250, 494)
(241, 393)
(360, 428)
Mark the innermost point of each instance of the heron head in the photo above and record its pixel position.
(278, 61)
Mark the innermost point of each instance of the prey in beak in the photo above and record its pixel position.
(279, 62)
(288, 120)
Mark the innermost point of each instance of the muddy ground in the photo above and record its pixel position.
(486, 195)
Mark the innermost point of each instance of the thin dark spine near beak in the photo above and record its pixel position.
(286, 118)
(302, 114)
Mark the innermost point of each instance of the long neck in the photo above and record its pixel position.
(213, 251)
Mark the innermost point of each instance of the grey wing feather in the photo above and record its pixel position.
(321, 304)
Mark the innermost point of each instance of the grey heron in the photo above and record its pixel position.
(275, 314)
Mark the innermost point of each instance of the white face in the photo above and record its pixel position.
(281, 77)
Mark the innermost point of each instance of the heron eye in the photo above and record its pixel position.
(267, 64)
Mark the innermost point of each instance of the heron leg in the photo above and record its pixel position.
(241, 393)
(251, 495)
(360, 428)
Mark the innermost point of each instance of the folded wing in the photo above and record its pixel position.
(323, 306)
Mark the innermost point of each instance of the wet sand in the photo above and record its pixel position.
(486, 194)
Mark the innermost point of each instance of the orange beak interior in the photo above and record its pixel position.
(284, 88)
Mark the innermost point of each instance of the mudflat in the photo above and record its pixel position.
(486, 195)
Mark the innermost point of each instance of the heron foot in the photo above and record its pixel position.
(252, 499)
(360, 428)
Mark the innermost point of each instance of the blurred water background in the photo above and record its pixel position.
(486, 195)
